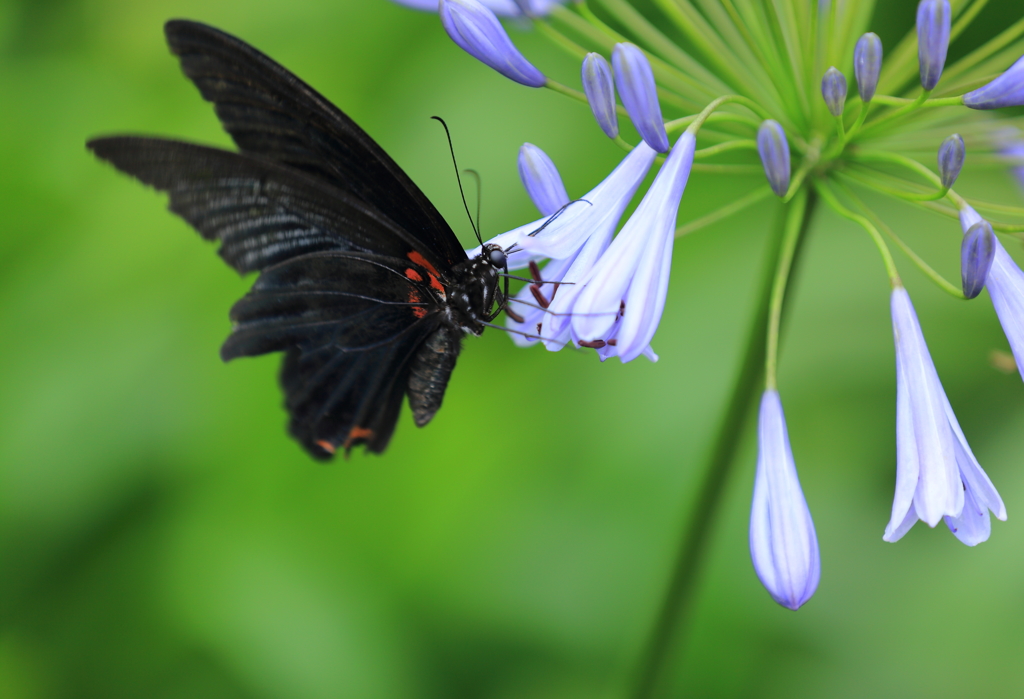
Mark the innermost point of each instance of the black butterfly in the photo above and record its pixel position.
(362, 284)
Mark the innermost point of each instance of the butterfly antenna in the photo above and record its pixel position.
(479, 193)
(459, 179)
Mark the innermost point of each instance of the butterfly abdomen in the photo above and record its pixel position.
(430, 370)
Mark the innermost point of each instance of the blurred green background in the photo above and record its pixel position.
(161, 536)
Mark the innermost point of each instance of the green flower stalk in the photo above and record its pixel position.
(761, 87)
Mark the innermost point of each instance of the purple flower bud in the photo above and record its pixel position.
(951, 159)
(541, 179)
(783, 544)
(1005, 91)
(932, 40)
(976, 254)
(635, 81)
(504, 8)
(833, 89)
(479, 33)
(867, 64)
(600, 90)
(774, 151)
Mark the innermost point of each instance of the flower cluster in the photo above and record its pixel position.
(816, 144)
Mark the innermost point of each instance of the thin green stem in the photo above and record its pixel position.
(748, 144)
(895, 114)
(857, 124)
(927, 269)
(677, 124)
(674, 613)
(753, 106)
(790, 237)
(903, 101)
(829, 196)
(840, 129)
(724, 212)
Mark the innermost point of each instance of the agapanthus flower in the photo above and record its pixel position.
(541, 180)
(504, 8)
(1005, 91)
(936, 472)
(783, 544)
(478, 32)
(813, 152)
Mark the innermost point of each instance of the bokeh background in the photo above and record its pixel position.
(160, 536)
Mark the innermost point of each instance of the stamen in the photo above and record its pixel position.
(535, 271)
(535, 290)
(514, 316)
(613, 342)
(594, 344)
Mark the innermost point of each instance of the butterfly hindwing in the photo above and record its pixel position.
(272, 113)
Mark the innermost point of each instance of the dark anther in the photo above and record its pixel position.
(538, 328)
(535, 271)
(595, 344)
(535, 290)
(514, 316)
(555, 290)
(613, 342)
(622, 308)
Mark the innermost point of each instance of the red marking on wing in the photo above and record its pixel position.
(326, 446)
(422, 262)
(414, 275)
(436, 284)
(358, 433)
(414, 297)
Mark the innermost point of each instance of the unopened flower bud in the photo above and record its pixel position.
(600, 91)
(951, 159)
(976, 253)
(635, 82)
(1005, 91)
(774, 151)
(867, 65)
(541, 179)
(479, 33)
(932, 40)
(833, 89)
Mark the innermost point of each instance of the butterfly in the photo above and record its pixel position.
(362, 284)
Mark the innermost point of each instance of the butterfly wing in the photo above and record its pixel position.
(271, 113)
(339, 291)
(351, 325)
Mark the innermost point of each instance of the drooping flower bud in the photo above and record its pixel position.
(635, 82)
(774, 151)
(479, 33)
(541, 179)
(1005, 91)
(867, 65)
(833, 89)
(976, 253)
(951, 159)
(600, 90)
(932, 40)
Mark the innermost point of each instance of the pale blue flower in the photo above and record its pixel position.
(976, 254)
(635, 82)
(773, 148)
(936, 472)
(624, 294)
(933, 18)
(599, 88)
(1005, 284)
(783, 544)
(504, 8)
(479, 33)
(833, 91)
(541, 179)
(867, 65)
(951, 159)
(1005, 91)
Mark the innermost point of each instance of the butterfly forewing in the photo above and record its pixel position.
(362, 284)
(270, 112)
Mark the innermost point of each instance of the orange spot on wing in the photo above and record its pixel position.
(422, 262)
(358, 433)
(419, 311)
(414, 275)
(436, 284)
(326, 446)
